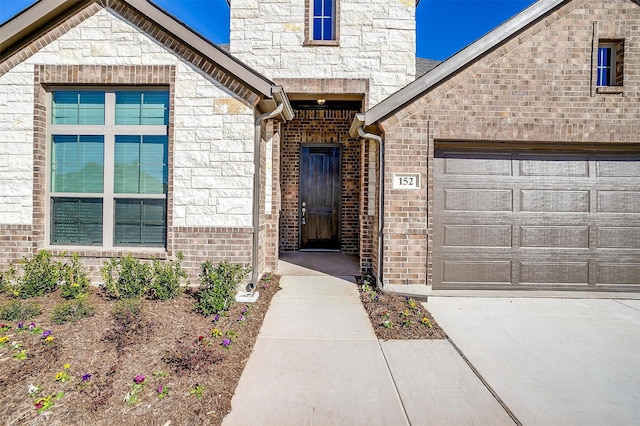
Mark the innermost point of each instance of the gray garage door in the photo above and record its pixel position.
(549, 220)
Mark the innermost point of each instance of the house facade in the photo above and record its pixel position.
(513, 164)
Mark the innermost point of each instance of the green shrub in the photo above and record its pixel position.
(18, 310)
(72, 311)
(126, 277)
(74, 280)
(8, 281)
(218, 286)
(166, 278)
(40, 275)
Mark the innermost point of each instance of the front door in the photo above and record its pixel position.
(320, 195)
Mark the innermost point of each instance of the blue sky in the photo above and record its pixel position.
(444, 26)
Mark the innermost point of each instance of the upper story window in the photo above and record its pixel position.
(610, 63)
(108, 167)
(323, 19)
(322, 23)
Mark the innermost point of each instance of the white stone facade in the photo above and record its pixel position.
(376, 42)
(213, 128)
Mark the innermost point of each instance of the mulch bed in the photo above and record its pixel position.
(170, 338)
(397, 317)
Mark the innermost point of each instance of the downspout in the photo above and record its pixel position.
(378, 139)
(256, 195)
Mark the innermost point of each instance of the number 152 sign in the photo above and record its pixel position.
(406, 181)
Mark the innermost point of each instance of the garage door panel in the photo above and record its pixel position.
(477, 272)
(480, 235)
(618, 201)
(618, 237)
(537, 273)
(618, 273)
(564, 236)
(472, 199)
(627, 166)
(548, 220)
(550, 165)
(554, 201)
(476, 164)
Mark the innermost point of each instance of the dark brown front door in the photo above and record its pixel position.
(320, 194)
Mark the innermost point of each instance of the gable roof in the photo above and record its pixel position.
(46, 14)
(457, 62)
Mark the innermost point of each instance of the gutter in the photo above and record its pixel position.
(285, 111)
(358, 126)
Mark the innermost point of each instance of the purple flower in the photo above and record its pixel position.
(20, 326)
(138, 379)
(241, 318)
(160, 389)
(32, 326)
(216, 318)
(226, 343)
(86, 377)
(245, 310)
(46, 334)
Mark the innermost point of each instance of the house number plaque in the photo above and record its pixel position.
(406, 181)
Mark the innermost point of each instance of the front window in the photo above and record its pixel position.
(109, 172)
(323, 20)
(610, 64)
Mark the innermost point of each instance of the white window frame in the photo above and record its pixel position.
(109, 130)
(612, 65)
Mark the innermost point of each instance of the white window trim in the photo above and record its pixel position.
(109, 130)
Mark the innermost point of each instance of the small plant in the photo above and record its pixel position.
(40, 275)
(21, 354)
(126, 277)
(386, 319)
(226, 343)
(8, 281)
(216, 332)
(85, 380)
(47, 402)
(19, 310)
(161, 374)
(163, 391)
(219, 284)
(198, 391)
(34, 390)
(47, 337)
(425, 321)
(412, 304)
(74, 280)
(3, 341)
(167, 276)
(64, 375)
(232, 334)
(72, 311)
(132, 397)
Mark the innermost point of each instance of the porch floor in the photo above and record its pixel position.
(319, 263)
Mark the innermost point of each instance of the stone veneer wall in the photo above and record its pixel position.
(376, 42)
(537, 87)
(211, 135)
(320, 126)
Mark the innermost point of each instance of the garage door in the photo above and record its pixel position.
(552, 220)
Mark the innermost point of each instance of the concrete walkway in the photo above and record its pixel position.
(318, 361)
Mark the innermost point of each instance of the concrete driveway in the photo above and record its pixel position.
(552, 361)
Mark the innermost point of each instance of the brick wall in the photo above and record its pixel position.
(536, 87)
(320, 126)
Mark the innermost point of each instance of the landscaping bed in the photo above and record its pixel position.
(165, 364)
(397, 317)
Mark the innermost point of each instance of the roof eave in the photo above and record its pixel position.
(460, 60)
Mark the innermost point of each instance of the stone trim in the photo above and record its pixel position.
(159, 75)
(308, 39)
(316, 86)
